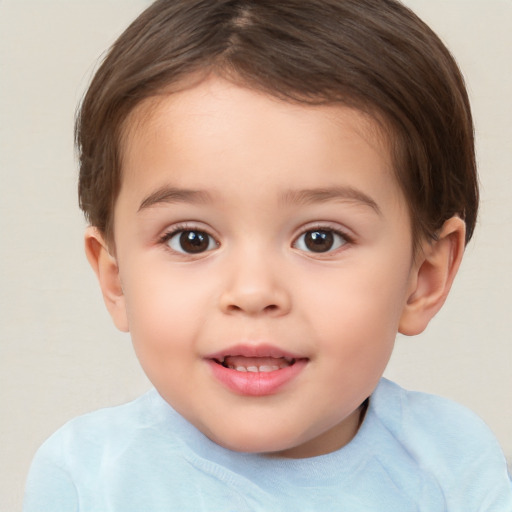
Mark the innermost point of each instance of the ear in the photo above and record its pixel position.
(107, 271)
(432, 276)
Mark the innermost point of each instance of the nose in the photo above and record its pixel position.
(255, 286)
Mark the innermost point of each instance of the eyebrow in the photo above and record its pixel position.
(174, 195)
(322, 195)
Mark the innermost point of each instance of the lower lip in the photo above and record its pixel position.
(256, 383)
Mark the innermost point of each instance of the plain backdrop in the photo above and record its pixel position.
(61, 356)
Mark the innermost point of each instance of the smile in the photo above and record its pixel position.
(255, 371)
(256, 364)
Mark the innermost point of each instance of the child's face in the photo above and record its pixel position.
(265, 236)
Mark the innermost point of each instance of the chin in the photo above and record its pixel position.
(254, 442)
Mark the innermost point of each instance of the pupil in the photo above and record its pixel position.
(319, 241)
(194, 241)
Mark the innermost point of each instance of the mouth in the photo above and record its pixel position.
(256, 364)
(256, 370)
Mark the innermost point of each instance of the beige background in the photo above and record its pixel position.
(59, 354)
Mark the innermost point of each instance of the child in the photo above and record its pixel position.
(274, 190)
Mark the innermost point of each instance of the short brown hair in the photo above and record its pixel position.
(374, 55)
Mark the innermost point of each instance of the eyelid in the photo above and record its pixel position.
(186, 226)
(173, 230)
(325, 226)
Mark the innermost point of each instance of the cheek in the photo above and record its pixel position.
(357, 313)
(164, 321)
(163, 308)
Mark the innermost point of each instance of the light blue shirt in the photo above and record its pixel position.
(413, 452)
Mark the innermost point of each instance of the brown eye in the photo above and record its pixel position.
(320, 240)
(191, 242)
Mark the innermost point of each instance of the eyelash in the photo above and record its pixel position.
(345, 238)
(184, 228)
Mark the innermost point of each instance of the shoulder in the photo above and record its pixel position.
(91, 460)
(422, 416)
(448, 442)
(87, 437)
(109, 419)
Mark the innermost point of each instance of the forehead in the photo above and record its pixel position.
(217, 128)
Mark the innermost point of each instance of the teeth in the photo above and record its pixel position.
(268, 368)
(254, 367)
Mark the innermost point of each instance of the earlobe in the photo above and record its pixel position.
(107, 271)
(433, 275)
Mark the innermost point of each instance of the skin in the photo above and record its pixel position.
(266, 174)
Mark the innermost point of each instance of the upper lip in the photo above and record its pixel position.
(256, 350)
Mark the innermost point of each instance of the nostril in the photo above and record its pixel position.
(254, 301)
(267, 309)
